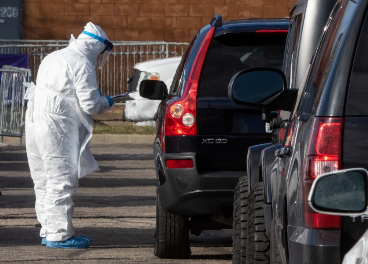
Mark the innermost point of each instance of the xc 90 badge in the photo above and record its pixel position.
(214, 141)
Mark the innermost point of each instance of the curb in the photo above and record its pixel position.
(4, 146)
(13, 142)
(125, 139)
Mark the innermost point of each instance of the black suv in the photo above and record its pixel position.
(202, 137)
(327, 132)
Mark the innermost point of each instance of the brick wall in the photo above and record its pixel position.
(156, 20)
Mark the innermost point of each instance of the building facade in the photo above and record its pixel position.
(140, 20)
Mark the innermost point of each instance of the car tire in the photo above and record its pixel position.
(275, 253)
(258, 245)
(240, 218)
(172, 235)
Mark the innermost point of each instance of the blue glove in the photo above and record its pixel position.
(111, 102)
(99, 91)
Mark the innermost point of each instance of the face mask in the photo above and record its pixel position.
(102, 58)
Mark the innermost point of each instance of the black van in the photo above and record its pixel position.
(251, 238)
(327, 132)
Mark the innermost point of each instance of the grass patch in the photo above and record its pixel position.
(102, 128)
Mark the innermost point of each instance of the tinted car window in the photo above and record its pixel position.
(185, 72)
(323, 64)
(230, 53)
(293, 49)
(175, 83)
(358, 91)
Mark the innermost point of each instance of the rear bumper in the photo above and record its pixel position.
(313, 245)
(188, 192)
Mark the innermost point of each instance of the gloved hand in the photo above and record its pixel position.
(99, 91)
(111, 102)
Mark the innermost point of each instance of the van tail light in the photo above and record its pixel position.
(325, 148)
(181, 115)
(179, 164)
(289, 134)
(324, 156)
(281, 134)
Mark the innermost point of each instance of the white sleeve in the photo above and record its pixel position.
(87, 92)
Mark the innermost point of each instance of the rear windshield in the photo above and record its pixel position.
(230, 53)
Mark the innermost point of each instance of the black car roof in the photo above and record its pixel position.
(249, 25)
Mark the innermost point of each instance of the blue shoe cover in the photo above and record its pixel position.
(86, 237)
(73, 242)
(43, 241)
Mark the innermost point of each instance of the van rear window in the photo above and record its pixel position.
(230, 53)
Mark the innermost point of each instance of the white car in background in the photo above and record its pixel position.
(140, 109)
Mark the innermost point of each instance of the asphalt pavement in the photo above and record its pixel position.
(115, 207)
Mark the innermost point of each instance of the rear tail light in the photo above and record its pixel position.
(176, 110)
(281, 134)
(325, 150)
(329, 140)
(320, 165)
(179, 164)
(180, 117)
(324, 156)
(188, 119)
(284, 31)
(290, 134)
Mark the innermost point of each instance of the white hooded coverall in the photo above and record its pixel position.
(58, 128)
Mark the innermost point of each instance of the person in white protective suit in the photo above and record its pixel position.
(58, 128)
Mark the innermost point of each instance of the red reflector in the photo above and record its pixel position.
(272, 31)
(322, 221)
(315, 220)
(179, 164)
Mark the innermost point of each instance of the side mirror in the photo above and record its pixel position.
(152, 89)
(341, 192)
(262, 88)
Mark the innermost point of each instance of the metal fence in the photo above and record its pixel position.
(12, 103)
(113, 77)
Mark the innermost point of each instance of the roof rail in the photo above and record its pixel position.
(292, 9)
(216, 21)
